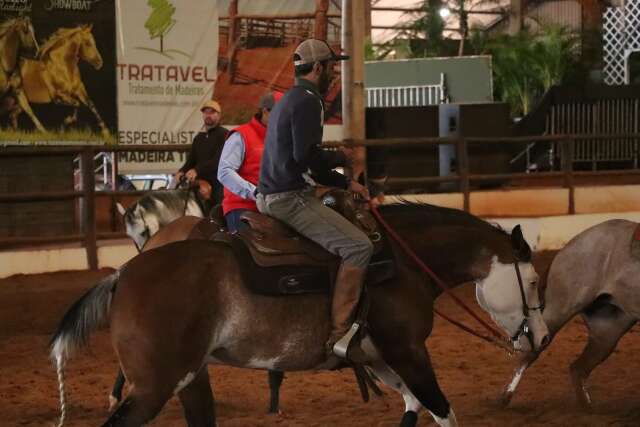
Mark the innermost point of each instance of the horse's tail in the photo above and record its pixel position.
(85, 315)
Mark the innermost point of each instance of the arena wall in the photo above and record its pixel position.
(539, 211)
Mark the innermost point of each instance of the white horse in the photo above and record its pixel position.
(596, 275)
(154, 210)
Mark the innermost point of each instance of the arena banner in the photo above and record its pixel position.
(172, 55)
(57, 71)
(167, 66)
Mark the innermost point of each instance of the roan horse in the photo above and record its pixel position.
(170, 317)
(55, 76)
(156, 209)
(595, 275)
(16, 35)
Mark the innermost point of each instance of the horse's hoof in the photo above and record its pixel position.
(505, 399)
(113, 402)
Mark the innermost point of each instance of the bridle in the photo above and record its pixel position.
(496, 337)
(523, 329)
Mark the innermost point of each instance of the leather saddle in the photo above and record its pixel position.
(276, 260)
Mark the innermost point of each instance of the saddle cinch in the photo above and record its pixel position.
(276, 260)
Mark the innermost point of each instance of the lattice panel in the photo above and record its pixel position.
(621, 34)
(614, 41)
(632, 23)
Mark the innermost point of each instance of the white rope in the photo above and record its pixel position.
(63, 402)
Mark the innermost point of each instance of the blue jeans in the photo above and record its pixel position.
(233, 220)
(304, 212)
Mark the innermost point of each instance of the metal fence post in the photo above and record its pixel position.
(463, 171)
(89, 207)
(567, 169)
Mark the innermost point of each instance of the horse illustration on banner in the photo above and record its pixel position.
(55, 75)
(16, 37)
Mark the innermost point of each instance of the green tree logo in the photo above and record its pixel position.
(159, 23)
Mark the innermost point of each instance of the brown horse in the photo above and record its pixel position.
(176, 308)
(16, 35)
(55, 76)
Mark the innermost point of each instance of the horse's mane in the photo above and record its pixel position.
(436, 215)
(5, 26)
(58, 36)
(174, 200)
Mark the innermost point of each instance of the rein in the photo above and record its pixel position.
(496, 337)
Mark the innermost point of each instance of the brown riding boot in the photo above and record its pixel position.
(346, 294)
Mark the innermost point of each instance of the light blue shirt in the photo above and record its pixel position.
(231, 160)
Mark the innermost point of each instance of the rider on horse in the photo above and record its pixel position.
(292, 155)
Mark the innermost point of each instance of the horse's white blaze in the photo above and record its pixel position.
(499, 295)
(184, 382)
(448, 421)
(393, 380)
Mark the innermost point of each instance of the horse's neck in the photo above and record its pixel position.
(452, 267)
(66, 55)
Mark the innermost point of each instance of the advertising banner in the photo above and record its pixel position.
(173, 55)
(57, 70)
(167, 66)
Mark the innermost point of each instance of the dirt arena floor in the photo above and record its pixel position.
(471, 373)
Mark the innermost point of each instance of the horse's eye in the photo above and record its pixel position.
(533, 283)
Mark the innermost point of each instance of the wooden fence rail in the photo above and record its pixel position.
(89, 235)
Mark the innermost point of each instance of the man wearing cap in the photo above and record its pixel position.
(239, 166)
(201, 166)
(292, 157)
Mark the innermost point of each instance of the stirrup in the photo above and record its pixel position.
(341, 347)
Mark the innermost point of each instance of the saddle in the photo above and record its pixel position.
(276, 260)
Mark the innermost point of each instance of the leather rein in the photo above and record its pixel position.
(495, 337)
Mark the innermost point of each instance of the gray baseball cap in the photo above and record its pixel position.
(314, 50)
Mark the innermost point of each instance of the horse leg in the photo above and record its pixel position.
(413, 377)
(197, 401)
(116, 394)
(606, 324)
(139, 407)
(84, 98)
(275, 381)
(523, 364)
(16, 83)
(73, 118)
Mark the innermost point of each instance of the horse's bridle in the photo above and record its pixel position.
(524, 329)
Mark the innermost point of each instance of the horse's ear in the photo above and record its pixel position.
(520, 245)
(121, 209)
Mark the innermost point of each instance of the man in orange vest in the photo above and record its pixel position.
(239, 166)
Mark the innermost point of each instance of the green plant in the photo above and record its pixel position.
(528, 64)
(160, 21)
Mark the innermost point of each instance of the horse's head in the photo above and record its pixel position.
(88, 49)
(461, 248)
(508, 290)
(136, 224)
(17, 37)
(28, 41)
